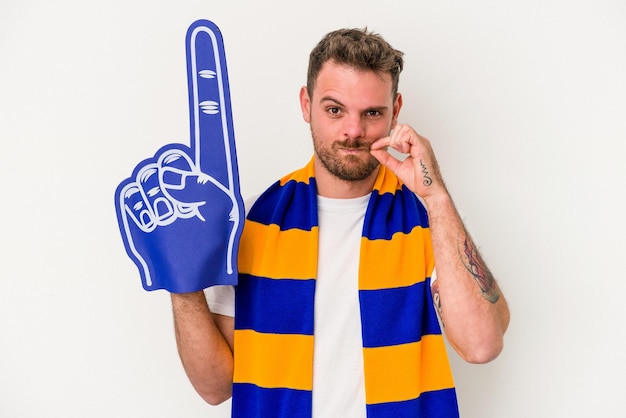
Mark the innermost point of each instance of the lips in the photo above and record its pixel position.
(351, 146)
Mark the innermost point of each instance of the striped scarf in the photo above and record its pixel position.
(407, 373)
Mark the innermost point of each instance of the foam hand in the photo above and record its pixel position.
(181, 213)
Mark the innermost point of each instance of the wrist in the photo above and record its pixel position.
(189, 300)
(440, 201)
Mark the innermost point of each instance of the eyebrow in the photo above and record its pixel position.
(369, 109)
(331, 99)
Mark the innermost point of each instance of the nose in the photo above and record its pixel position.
(354, 127)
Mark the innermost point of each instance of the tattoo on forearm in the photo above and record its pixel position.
(427, 180)
(476, 266)
(437, 301)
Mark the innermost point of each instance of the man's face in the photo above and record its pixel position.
(348, 111)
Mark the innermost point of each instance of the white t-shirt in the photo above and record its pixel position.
(338, 377)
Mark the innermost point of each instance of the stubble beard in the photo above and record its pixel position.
(349, 167)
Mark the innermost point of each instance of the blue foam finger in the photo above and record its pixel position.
(181, 213)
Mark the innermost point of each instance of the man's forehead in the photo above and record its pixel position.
(343, 83)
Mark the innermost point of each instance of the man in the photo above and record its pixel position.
(335, 312)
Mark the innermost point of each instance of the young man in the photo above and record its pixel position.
(338, 304)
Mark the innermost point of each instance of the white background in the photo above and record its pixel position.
(524, 102)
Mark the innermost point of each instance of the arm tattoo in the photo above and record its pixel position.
(437, 301)
(427, 180)
(482, 275)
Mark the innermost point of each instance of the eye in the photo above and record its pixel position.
(373, 113)
(333, 110)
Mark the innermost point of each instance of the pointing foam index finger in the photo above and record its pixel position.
(211, 126)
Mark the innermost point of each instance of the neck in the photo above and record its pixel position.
(329, 185)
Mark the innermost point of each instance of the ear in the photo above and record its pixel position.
(397, 105)
(305, 104)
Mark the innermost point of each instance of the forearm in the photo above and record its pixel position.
(472, 308)
(474, 312)
(205, 352)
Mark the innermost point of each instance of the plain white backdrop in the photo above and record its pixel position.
(525, 103)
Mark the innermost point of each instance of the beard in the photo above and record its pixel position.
(349, 167)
